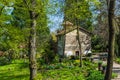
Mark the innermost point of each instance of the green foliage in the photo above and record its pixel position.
(18, 70)
(95, 75)
(15, 71)
(117, 45)
(100, 62)
(114, 75)
(15, 23)
(64, 74)
(78, 12)
(89, 55)
(4, 61)
(47, 54)
(97, 44)
(39, 77)
(66, 70)
(117, 60)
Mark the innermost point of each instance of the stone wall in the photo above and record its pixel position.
(71, 43)
(72, 46)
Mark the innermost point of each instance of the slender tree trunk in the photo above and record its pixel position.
(80, 50)
(32, 51)
(79, 42)
(64, 39)
(111, 40)
(32, 43)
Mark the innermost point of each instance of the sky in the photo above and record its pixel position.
(56, 19)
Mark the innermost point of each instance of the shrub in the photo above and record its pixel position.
(117, 60)
(72, 57)
(114, 75)
(4, 61)
(95, 75)
(64, 74)
(89, 54)
(76, 62)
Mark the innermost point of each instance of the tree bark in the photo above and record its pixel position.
(111, 40)
(80, 50)
(32, 43)
(64, 39)
(79, 42)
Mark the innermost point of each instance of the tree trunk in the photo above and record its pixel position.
(111, 40)
(32, 43)
(80, 50)
(79, 42)
(64, 39)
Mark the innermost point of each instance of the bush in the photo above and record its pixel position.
(95, 75)
(76, 62)
(4, 61)
(64, 74)
(117, 60)
(72, 57)
(114, 75)
(89, 54)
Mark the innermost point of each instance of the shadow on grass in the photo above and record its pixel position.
(8, 76)
(15, 71)
(18, 77)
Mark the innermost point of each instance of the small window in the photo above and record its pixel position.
(77, 53)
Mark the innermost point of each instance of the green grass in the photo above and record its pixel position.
(68, 70)
(17, 70)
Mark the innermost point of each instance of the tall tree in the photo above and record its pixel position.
(80, 10)
(37, 22)
(111, 42)
(78, 37)
(77, 11)
(32, 41)
(117, 24)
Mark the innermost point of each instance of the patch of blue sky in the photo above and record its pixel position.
(117, 8)
(56, 22)
(8, 10)
(57, 17)
(94, 12)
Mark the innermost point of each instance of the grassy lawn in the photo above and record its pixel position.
(17, 70)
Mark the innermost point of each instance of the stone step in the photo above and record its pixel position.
(116, 67)
(116, 79)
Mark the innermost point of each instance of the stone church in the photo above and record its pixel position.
(67, 41)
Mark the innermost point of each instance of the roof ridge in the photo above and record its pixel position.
(62, 32)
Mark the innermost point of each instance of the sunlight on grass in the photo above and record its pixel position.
(17, 70)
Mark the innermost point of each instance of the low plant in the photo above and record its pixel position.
(64, 74)
(117, 60)
(95, 75)
(4, 61)
(114, 75)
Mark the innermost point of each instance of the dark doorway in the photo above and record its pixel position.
(77, 53)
